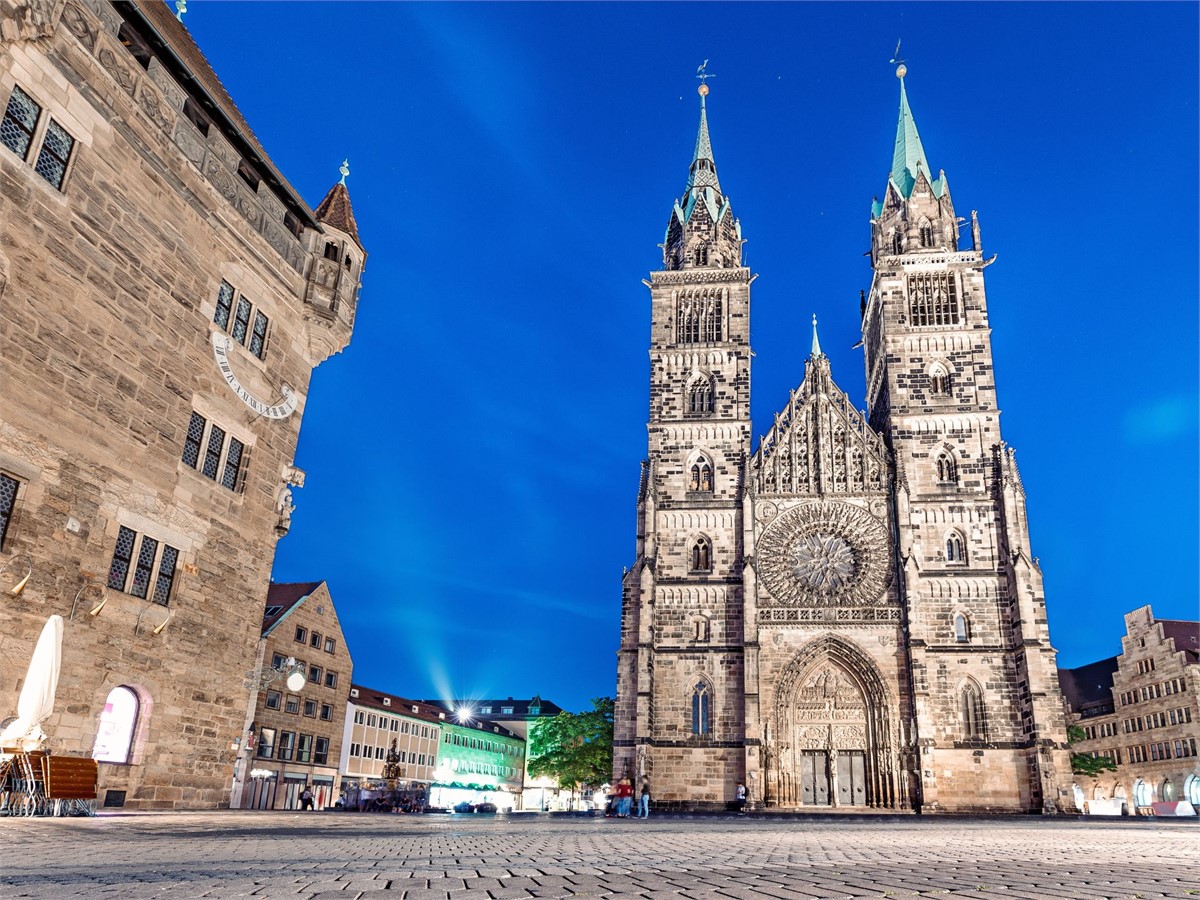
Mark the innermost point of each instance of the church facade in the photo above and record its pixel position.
(849, 614)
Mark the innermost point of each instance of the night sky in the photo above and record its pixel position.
(473, 456)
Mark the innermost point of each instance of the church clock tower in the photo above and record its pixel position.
(679, 712)
(988, 712)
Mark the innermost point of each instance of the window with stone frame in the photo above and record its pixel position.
(266, 743)
(939, 381)
(18, 128)
(274, 699)
(331, 679)
(143, 566)
(971, 711)
(701, 555)
(962, 629)
(330, 645)
(700, 476)
(699, 316)
(301, 634)
(315, 674)
(700, 398)
(925, 232)
(321, 752)
(292, 705)
(237, 315)
(310, 708)
(947, 470)
(287, 745)
(326, 712)
(933, 298)
(304, 748)
(701, 710)
(955, 552)
(8, 503)
(215, 454)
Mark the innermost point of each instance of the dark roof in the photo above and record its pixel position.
(1186, 636)
(282, 599)
(185, 61)
(1088, 685)
(520, 708)
(399, 705)
(335, 210)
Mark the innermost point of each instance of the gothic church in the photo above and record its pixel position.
(848, 615)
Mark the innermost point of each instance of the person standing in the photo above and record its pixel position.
(740, 798)
(306, 799)
(624, 798)
(644, 801)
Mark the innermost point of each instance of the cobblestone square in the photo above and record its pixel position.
(348, 856)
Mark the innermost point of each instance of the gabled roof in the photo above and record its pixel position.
(335, 210)
(1088, 686)
(1186, 636)
(787, 460)
(282, 599)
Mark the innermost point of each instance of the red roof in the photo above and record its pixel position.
(282, 599)
(335, 210)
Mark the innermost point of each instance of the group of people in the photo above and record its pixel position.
(623, 797)
(621, 802)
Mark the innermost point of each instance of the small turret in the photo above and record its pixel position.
(335, 273)
(916, 213)
(702, 231)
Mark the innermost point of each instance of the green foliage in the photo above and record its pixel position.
(574, 748)
(1085, 763)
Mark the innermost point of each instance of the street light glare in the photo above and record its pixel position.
(464, 713)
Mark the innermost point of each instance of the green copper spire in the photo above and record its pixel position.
(816, 344)
(703, 172)
(909, 155)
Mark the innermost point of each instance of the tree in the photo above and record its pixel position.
(574, 749)
(1085, 763)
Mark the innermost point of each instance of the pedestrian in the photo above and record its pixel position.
(624, 798)
(644, 801)
(306, 799)
(740, 798)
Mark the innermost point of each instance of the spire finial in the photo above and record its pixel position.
(816, 344)
(898, 62)
(180, 9)
(344, 168)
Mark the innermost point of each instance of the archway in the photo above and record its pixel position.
(829, 742)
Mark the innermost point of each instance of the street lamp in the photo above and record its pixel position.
(260, 679)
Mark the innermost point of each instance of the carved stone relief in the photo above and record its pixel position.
(172, 93)
(79, 23)
(220, 178)
(190, 141)
(120, 72)
(152, 105)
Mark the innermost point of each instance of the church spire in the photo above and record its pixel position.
(702, 231)
(908, 157)
(816, 343)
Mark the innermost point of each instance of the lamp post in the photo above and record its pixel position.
(293, 674)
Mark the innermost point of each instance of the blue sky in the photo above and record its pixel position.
(473, 456)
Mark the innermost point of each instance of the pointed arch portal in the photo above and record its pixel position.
(829, 739)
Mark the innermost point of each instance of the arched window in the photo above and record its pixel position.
(947, 471)
(701, 713)
(971, 711)
(939, 381)
(702, 255)
(331, 251)
(962, 629)
(701, 629)
(1166, 791)
(114, 737)
(700, 476)
(897, 242)
(700, 398)
(1143, 794)
(1191, 790)
(702, 555)
(926, 232)
(954, 548)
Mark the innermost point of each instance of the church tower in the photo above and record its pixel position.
(988, 712)
(679, 711)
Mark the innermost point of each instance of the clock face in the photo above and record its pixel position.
(280, 409)
(824, 554)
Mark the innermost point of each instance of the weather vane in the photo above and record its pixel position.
(344, 168)
(898, 62)
(701, 74)
(180, 9)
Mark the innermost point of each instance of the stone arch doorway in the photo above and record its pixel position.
(829, 741)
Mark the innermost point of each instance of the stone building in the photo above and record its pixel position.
(1141, 710)
(479, 761)
(377, 723)
(166, 296)
(849, 614)
(293, 739)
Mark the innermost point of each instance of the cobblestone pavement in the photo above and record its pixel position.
(348, 856)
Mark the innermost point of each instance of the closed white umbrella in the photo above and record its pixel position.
(37, 693)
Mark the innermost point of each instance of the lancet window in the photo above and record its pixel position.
(962, 629)
(933, 298)
(701, 710)
(700, 476)
(700, 398)
(971, 711)
(954, 548)
(925, 229)
(701, 555)
(699, 315)
(947, 471)
(939, 380)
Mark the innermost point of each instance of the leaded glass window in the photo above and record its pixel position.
(145, 565)
(8, 500)
(118, 572)
(56, 151)
(947, 471)
(933, 298)
(20, 118)
(700, 398)
(241, 321)
(954, 547)
(191, 444)
(258, 338)
(224, 305)
(166, 575)
(702, 555)
(233, 462)
(699, 316)
(972, 712)
(701, 719)
(212, 456)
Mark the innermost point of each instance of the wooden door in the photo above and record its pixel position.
(852, 778)
(814, 778)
